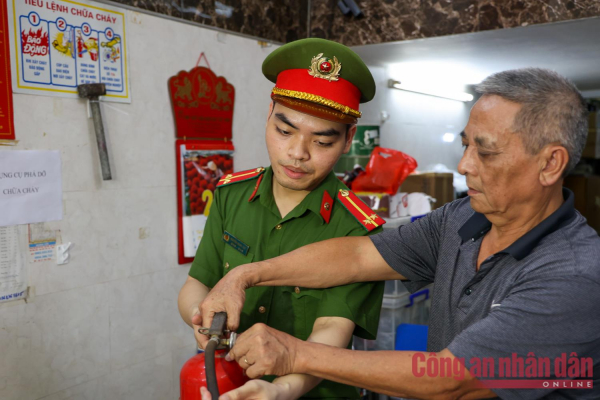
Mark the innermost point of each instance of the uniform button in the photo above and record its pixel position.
(468, 291)
(278, 227)
(262, 309)
(297, 290)
(226, 265)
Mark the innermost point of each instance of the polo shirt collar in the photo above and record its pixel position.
(478, 225)
(311, 202)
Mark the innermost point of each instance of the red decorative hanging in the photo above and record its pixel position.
(202, 104)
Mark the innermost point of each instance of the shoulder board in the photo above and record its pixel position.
(240, 176)
(359, 210)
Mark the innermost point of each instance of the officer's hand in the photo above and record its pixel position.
(228, 295)
(255, 390)
(201, 339)
(205, 393)
(262, 350)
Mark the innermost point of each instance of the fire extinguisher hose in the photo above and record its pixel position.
(211, 374)
(215, 332)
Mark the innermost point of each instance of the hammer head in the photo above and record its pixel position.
(91, 90)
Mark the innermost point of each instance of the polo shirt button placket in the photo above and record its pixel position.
(468, 291)
(278, 227)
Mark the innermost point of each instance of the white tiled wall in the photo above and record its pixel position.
(106, 325)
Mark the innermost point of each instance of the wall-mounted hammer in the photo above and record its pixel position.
(92, 91)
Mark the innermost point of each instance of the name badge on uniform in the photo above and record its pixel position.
(235, 243)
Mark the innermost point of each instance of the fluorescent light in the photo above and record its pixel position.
(459, 96)
(448, 137)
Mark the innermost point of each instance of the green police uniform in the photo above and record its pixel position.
(327, 80)
(258, 225)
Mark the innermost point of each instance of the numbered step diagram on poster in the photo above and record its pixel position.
(59, 45)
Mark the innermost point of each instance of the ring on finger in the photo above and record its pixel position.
(246, 361)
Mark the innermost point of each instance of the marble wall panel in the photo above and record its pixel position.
(395, 20)
(276, 20)
(381, 21)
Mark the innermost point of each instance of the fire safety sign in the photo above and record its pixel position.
(57, 45)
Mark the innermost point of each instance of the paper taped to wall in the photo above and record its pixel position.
(41, 243)
(30, 187)
(62, 253)
(13, 279)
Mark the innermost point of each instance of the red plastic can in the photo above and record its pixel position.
(193, 376)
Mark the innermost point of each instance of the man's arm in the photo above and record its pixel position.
(396, 373)
(332, 331)
(407, 253)
(190, 296)
(329, 263)
(390, 372)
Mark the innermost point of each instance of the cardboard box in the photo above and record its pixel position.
(438, 185)
(593, 202)
(587, 197)
(378, 202)
(578, 185)
(592, 145)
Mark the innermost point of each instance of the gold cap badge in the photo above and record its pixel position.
(325, 68)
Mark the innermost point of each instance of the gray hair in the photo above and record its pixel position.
(553, 110)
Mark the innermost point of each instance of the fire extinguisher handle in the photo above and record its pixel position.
(219, 323)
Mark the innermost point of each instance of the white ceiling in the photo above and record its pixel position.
(571, 48)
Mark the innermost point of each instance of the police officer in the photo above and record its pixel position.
(265, 212)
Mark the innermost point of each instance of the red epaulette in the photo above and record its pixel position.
(240, 176)
(359, 210)
(326, 206)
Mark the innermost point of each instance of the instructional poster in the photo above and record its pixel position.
(7, 127)
(57, 45)
(13, 280)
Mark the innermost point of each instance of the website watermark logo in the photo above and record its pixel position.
(512, 372)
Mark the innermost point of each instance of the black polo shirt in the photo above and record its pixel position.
(539, 296)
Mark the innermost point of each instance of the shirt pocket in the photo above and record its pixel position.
(233, 258)
(304, 306)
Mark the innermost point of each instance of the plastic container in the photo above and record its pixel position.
(402, 308)
(411, 337)
(394, 289)
(393, 223)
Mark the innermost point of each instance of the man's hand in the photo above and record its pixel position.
(262, 350)
(254, 390)
(205, 393)
(190, 296)
(228, 295)
(196, 319)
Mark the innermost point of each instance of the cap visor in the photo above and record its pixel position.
(314, 109)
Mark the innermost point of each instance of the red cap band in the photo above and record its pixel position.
(340, 91)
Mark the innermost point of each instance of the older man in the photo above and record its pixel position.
(516, 268)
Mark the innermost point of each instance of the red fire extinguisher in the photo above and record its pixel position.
(209, 369)
(193, 375)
